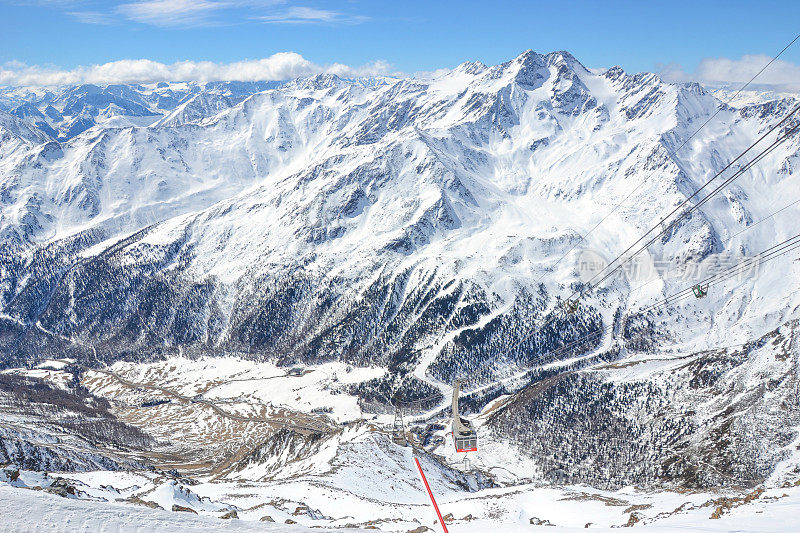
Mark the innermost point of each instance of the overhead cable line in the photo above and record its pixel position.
(784, 208)
(576, 295)
(675, 152)
(773, 252)
(591, 284)
(747, 228)
(747, 264)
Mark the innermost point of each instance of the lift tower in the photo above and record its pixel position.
(464, 436)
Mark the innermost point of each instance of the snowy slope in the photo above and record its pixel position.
(33, 511)
(411, 226)
(65, 112)
(523, 508)
(461, 191)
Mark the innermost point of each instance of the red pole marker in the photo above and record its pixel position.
(439, 514)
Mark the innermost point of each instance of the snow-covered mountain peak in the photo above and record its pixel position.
(564, 58)
(479, 178)
(14, 128)
(319, 82)
(414, 231)
(471, 67)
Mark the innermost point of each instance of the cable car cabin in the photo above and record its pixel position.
(464, 437)
(570, 306)
(466, 443)
(700, 292)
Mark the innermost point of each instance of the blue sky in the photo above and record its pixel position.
(401, 36)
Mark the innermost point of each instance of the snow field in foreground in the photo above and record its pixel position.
(776, 510)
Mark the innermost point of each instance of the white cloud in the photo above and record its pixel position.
(309, 15)
(280, 66)
(171, 12)
(92, 17)
(13, 64)
(376, 68)
(200, 13)
(780, 75)
(431, 74)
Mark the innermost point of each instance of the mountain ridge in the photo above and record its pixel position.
(414, 225)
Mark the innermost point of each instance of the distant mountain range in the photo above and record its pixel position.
(416, 225)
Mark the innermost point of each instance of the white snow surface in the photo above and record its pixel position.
(501, 510)
(490, 174)
(494, 173)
